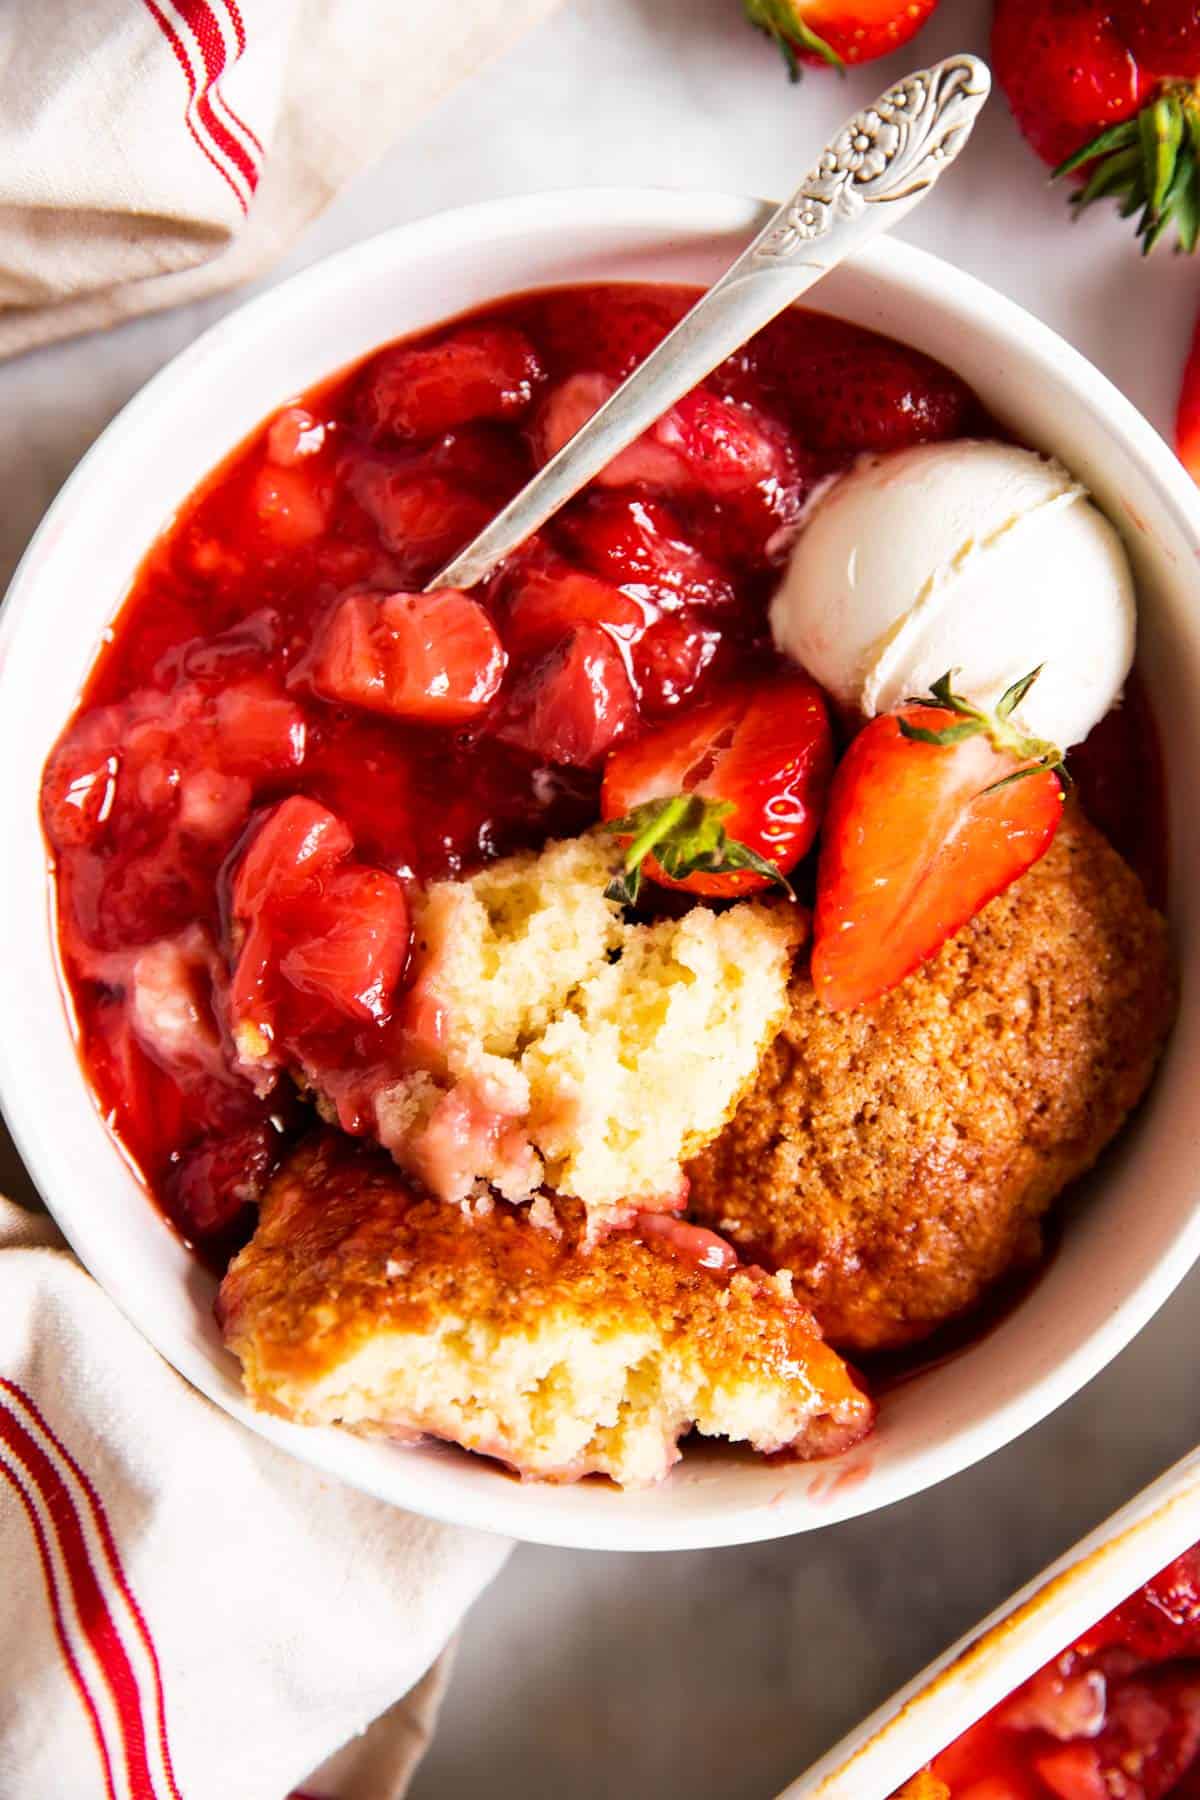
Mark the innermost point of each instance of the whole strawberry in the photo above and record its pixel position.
(1109, 88)
(837, 31)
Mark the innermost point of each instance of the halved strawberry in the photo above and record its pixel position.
(934, 810)
(547, 598)
(701, 445)
(431, 657)
(641, 546)
(727, 799)
(479, 372)
(573, 704)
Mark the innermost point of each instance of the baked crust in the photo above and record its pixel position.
(357, 1303)
(899, 1158)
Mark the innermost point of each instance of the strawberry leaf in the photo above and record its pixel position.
(949, 734)
(686, 835)
(1033, 753)
(1012, 697)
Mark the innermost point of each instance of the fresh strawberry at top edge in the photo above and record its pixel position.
(1107, 89)
(934, 811)
(725, 800)
(837, 31)
(844, 389)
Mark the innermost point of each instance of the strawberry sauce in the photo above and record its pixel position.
(275, 645)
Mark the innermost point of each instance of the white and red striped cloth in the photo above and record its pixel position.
(152, 151)
(188, 1614)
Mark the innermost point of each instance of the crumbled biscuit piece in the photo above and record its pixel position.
(561, 1043)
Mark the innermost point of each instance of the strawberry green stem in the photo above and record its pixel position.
(1149, 164)
(660, 826)
(784, 26)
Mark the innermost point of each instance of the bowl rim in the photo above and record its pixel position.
(537, 1512)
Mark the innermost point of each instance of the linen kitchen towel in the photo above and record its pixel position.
(153, 151)
(189, 1614)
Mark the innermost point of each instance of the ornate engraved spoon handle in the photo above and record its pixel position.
(880, 165)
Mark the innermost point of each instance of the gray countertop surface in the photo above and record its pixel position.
(719, 1675)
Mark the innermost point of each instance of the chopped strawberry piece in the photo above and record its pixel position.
(548, 598)
(480, 372)
(432, 657)
(702, 445)
(918, 838)
(1151, 1737)
(295, 848)
(670, 660)
(1065, 1702)
(646, 463)
(757, 761)
(422, 518)
(259, 731)
(725, 448)
(213, 805)
(574, 703)
(209, 1185)
(289, 505)
(487, 459)
(321, 934)
(640, 545)
(79, 788)
(294, 435)
(149, 1104)
(139, 898)
(354, 942)
(1073, 1773)
(693, 1244)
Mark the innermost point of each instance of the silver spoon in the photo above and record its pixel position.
(880, 165)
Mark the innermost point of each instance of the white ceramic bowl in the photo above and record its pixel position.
(1141, 1229)
(1020, 1637)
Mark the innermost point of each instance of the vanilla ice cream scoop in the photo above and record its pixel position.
(973, 556)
